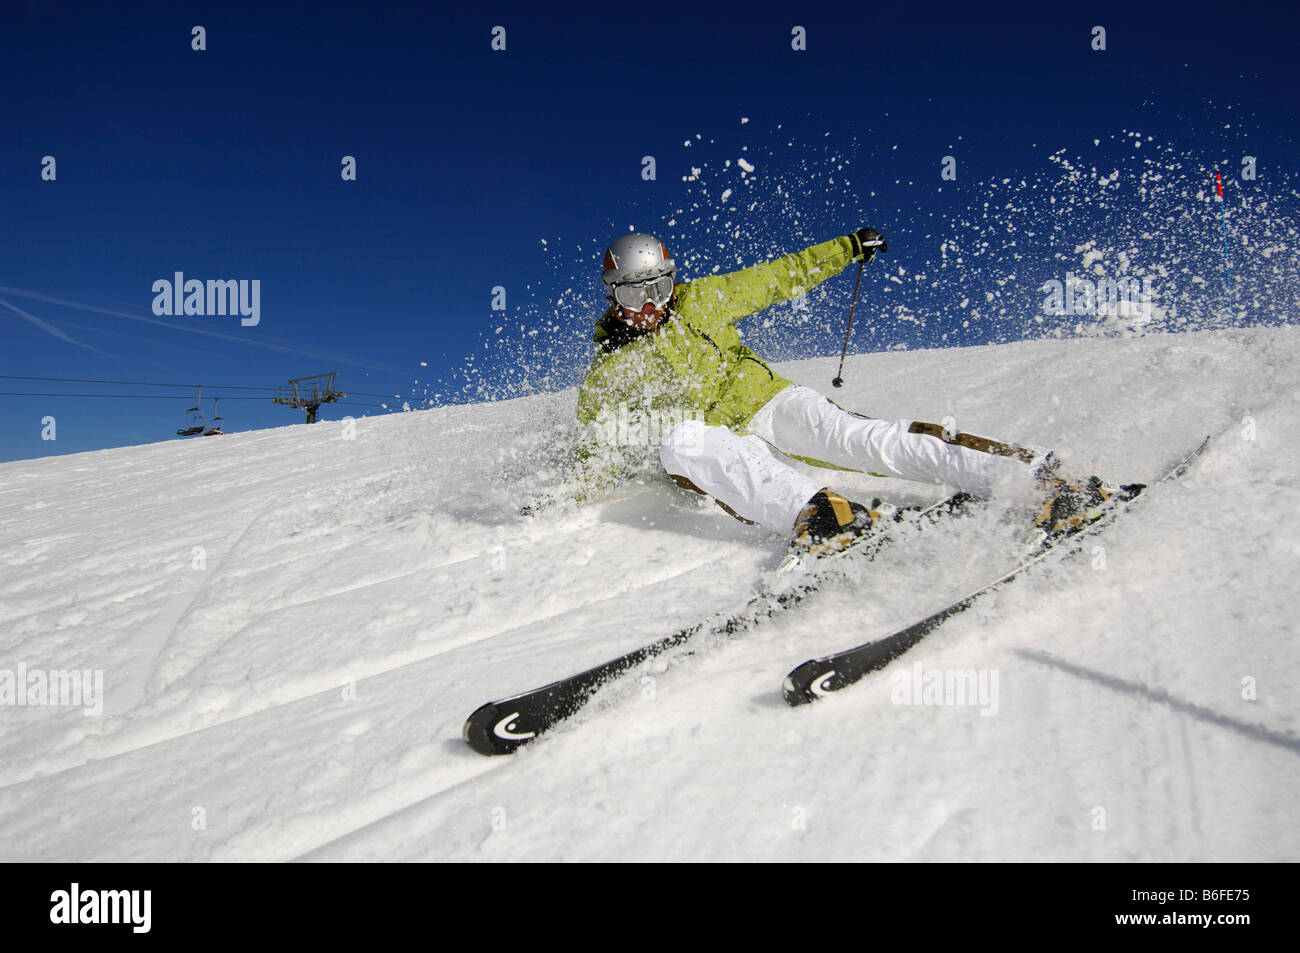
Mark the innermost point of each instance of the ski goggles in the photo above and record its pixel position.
(634, 294)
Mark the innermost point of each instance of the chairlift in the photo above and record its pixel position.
(214, 425)
(195, 422)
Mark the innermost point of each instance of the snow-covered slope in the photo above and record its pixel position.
(292, 625)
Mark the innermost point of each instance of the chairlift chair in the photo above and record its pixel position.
(214, 425)
(195, 422)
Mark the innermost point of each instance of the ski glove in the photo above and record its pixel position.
(866, 242)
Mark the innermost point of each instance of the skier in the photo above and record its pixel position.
(671, 350)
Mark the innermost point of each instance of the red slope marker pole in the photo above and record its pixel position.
(1223, 207)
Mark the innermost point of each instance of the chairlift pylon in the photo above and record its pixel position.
(309, 393)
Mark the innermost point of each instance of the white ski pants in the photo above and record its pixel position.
(743, 473)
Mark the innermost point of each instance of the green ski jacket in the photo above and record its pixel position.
(694, 364)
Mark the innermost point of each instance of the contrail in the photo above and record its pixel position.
(50, 329)
(173, 326)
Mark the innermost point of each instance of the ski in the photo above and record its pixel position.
(831, 673)
(500, 727)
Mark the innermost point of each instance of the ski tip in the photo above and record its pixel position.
(795, 690)
(478, 733)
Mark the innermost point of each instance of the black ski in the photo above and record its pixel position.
(830, 673)
(500, 727)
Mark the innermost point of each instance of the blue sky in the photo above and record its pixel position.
(478, 169)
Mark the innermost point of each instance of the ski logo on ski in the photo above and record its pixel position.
(821, 687)
(504, 729)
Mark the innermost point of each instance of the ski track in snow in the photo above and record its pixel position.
(301, 696)
(359, 674)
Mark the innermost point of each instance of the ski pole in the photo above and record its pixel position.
(1223, 207)
(839, 380)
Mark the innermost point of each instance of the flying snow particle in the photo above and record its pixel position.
(747, 166)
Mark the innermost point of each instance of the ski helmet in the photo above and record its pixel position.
(636, 257)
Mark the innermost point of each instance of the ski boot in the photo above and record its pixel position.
(831, 523)
(1071, 505)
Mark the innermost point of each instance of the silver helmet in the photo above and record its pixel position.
(636, 257)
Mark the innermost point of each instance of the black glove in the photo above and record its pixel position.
(866, 242)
